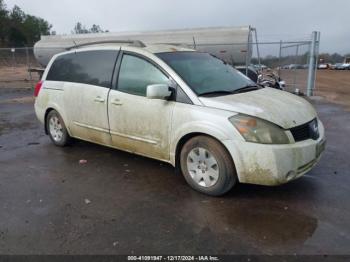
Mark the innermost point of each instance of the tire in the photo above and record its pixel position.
(207, 166)
(57, 129)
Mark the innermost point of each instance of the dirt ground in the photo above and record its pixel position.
(333, 85)
(17, 77)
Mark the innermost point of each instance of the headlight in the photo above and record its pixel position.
(259, 131)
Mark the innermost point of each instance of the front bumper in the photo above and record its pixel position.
(275, 164)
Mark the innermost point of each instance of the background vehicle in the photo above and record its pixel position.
(268, 79)
(338, 66)
(295, 66)
(260, 67)
(250, 71)
(323, 66)
(213, 40)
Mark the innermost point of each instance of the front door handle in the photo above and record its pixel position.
(99, 99)
(116, 102)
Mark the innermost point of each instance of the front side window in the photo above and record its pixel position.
(205, 73)
(88, 67)
(136, 74)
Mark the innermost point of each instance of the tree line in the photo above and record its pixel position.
(18, 29)
(79, 28)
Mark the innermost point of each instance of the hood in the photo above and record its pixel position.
(279, 107)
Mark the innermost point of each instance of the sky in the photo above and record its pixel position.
(274, 19)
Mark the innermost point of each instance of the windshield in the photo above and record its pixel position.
(205, 73)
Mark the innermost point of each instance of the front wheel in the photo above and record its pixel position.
(207, 166)
(57, 129)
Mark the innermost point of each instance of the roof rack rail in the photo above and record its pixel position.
(136, 43)
(177, 44)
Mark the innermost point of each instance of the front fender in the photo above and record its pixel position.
(203, 127)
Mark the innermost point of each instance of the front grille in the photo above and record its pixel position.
(306, 131)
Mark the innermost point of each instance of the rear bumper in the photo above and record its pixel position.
(275, 164)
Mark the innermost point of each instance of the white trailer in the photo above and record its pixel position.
(232, 44)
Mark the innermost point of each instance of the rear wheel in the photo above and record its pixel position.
(207, 166)
(57, 129)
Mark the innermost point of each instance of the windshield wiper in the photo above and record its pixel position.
(246, 88)
(217, 93)
(243, 89)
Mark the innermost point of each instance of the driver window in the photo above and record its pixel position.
(136, 74)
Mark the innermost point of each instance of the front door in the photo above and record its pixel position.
(139, 124)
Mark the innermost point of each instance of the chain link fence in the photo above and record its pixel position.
(295, 62)
(14, 67)
(289, 60)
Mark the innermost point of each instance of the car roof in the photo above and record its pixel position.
(152, 48)
(163, 48)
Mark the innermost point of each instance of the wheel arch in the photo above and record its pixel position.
(45, 118)
(182, 141)
(48, 110)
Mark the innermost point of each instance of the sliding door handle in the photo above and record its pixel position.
(116, 102)
(99, 99)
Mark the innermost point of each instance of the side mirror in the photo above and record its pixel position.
(158, 91)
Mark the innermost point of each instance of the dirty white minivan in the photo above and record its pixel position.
(183, 107)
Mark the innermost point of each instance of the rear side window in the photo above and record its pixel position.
(136, 74)
(88, 67)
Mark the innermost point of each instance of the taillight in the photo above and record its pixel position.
(37, 88)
